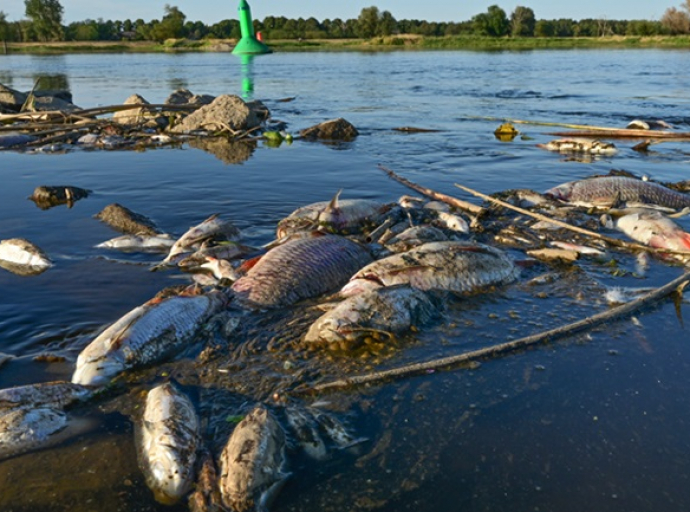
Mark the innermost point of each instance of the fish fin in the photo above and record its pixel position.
(212, 217)
(248, 264)
(333, 205)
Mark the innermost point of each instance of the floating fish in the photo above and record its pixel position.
(336, 430)
(212, 228)
(654, 229)
(26, 428)
(451, 266)
(47, 196)
(639, 124)
(366, 316)
(305, 430)
(222, 251)
(148, 243)
(21, 252)
(221, 269)
(592, 147)
(252, 463)
(148, 333)
(300, 269)
(611, 190)
(337, 215)
(170, 438)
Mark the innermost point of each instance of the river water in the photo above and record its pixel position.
(599, 420)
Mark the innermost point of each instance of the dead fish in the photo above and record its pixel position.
(376, 315)
(212, 228)
(407, 201)
(148, 243)
(21, 252)
(610, 190)
(336, 430)
(27, 428)
(655, 230)
(593, 147)
(126, 221)
(337, 215)
(221, 269)
(222, 251)
(148, 333)
(206, 495)
(453, 222)
(639, 124)
(53, 394)
(414, 237)
(252, 463)
(47, 196)
(170, 438)
(305, 430)
(451, 266)
(300, 269)
(621, 295)
(580, 249)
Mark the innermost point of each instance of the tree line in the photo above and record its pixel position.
(43, 22)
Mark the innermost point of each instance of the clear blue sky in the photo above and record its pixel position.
(211, 11)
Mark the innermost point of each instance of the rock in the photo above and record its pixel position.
(51, 103)
(47, 196)
(335, 129)
(134, 115)
(62, 94)
(179, 97)
(226, 111)
(11, 99)
(126, 221)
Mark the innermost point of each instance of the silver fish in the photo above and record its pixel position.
(389, 311)
(610, 190)
(221, 269)
(149, 243)
(655, 230)
(53, 394)
(252, 463)
(148, 333)
(305, 430)
(170, 438)
(223, 251)
(335, 214)
(593, 147)
(451, 266)
(300, 269)
(20, 251)
(212, 228)
(415, 236)
(26, 428)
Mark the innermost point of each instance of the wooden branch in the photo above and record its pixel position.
(590, 322)
(625, 133)
(438, 196)
(610, 240)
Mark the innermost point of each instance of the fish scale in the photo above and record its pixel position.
(452, 266)
(300, 269)
(609, 190)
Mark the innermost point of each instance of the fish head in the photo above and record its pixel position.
(97, 372)
(167, 482)
(357, 286)
(561, 192)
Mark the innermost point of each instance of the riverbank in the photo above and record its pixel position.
(397, 42)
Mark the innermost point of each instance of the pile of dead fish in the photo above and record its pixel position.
(380, 271)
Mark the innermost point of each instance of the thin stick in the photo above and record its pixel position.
(615, 313)
(610, 240)
(438, 196)
(599, 130)
(625, 133)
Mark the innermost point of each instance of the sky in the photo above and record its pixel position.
(212, 11)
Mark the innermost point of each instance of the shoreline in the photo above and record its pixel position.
(388, 43)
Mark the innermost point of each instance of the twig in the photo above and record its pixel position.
(508, 347)
(452, 201)
(610, 240)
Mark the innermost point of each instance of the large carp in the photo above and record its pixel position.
(450, 266)
(612, 190)
(252, 463)
(21, 252)
(300, 269)
(170, 438)
(148, 333)
(654, 229)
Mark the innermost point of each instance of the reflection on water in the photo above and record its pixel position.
(51, 82)
(247, 76)
(228, 151)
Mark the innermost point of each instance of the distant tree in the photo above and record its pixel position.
(367, 22)
(493, 23)
(522, 22)
(387, 24)
(4, 27)
(675, 21)
(544, 28)
(171, 26)
(46, 18)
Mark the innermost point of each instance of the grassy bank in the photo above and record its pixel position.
(399, 42)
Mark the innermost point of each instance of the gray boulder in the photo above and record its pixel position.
(134, 115)
(226, 111)
(10, 99)
(51, 103)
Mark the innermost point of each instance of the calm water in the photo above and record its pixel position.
(601, 419)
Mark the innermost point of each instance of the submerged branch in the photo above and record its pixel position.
(590, 322)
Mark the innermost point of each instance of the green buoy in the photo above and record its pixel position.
(248, 44)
